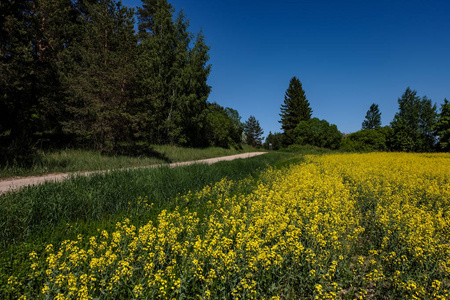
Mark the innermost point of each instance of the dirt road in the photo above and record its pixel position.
(17, 183)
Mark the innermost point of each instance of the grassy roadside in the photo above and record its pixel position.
(54, 212)
(28, 213)
(83, 160)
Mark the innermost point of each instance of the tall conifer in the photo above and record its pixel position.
(100, 66)
(294, 109)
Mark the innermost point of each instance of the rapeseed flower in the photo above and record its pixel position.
(337, 226)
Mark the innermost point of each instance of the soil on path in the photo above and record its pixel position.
(17, 183)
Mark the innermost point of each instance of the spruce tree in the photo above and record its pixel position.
(172, 77)
(195, 109)
(253, 132)
(373, 118)
(294, 109)
(157, 58)
(100, 67)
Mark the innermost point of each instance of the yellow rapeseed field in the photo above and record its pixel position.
(340, 226)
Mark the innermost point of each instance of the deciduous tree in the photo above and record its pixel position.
(373, 118)
(413, 124)
(443, 127)
(318, 133)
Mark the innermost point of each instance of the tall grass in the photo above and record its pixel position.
(70, 160)
(51, 213)
(29, 212)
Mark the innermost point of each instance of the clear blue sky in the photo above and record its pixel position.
(348, 54)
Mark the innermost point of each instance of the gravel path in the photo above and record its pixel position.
(17, 183)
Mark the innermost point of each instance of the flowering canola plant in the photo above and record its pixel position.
(341, 226)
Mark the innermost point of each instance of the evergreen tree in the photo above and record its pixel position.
(73, 71)
(294, 109)
(194, 109)
(253, 132)
(413, 124)
(17, 79)
(32, 37)
(373, 118)
(442, 127)
(100, 68)
(172, 77)
(146, 17)
(157, 72)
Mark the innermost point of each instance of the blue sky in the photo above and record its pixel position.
(347, 54)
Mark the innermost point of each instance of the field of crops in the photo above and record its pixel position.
(338, 226)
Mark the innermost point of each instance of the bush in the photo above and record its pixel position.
(367, 140)
(318, 133)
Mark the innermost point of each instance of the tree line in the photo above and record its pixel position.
(75, 73)
(416, 127)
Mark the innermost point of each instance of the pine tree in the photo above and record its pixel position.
(253, 132)
(443, 127)
(17, 79)
(373, 118)
(32, 36)
(100, 68)
(294, 109)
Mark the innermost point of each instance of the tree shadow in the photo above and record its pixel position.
(139, 150)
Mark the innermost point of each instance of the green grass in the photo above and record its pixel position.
(51, 213)
(33, 210)
(84, 160)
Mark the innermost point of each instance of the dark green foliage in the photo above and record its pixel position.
(33, 35)
(146, 19)
(19, 82)
(317, 133)
(223, 126)
(172, 78)
(253, 132)
(373, 118)
(273, 141)
(306, 149)
(74, 74)
(195, 94)
(413, 124)
(100, 69)
(367, 140)
(294, 109)
(442, 127)
(158, 75)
